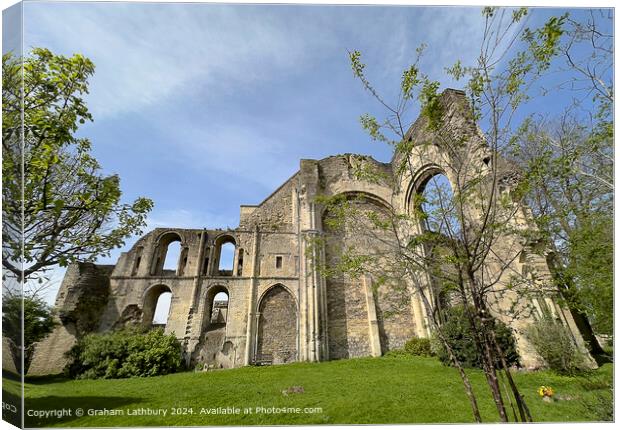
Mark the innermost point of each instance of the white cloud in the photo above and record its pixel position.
(145, 53)
(244, 153)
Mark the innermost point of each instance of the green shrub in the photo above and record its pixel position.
(419, 346)
(459, 334)
(125, 353)
(397, 353)
(554, 343)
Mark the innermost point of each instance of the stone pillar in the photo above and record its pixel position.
(421, 323)
(235, 261)
(210, 270)
(252, 311)
(310, 302)
(309, 278)
(305, 281)
(194, 320)
(323, 320)
(198, 272)
(373, 325)
(568, 320)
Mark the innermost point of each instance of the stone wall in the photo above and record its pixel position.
(80, 303)
(394, 315)
(277, 327)
(275, 213)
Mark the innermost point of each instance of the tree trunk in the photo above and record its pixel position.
(466, 383)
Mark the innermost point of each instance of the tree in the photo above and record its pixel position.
(38, 322)
(53, 191)
(57, 206)
(447, 244)
(568, 161)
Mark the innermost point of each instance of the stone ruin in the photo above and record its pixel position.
(274, 305)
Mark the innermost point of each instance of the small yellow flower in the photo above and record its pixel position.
(545, 391)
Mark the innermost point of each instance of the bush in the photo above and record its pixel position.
(397, 353)
(459, 334)
(554, 343)
(125, 353)
(419, 346)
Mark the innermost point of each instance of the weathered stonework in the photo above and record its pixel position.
(280, 305)
(277, 328)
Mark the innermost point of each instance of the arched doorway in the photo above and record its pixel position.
(277, 327)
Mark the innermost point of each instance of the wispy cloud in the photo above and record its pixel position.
(165, 50)
(146, 53)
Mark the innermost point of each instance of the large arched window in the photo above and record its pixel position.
(439, 212)
(437, 207)
(170, 256)
(227, 257)
(225, 251)
(173, 254)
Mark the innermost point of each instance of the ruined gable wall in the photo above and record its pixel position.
(459, 150)
(275, 213)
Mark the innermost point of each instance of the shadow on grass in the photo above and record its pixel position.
(7, 374)
(46, 379)
(62, 410)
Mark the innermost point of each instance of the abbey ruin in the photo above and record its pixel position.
(280, 308)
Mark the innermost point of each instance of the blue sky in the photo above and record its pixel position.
(205, 107)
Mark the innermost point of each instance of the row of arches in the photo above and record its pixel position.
(158, 301)
(223, 258)
(277, 330)
(431, 193)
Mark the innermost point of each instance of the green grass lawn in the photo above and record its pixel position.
(368, 390)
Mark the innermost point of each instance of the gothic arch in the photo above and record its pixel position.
(352, 195)
(420, 180)
(277, 331)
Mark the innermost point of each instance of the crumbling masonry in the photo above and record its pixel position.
(280, 308)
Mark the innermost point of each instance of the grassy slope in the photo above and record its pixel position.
(368, 390)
